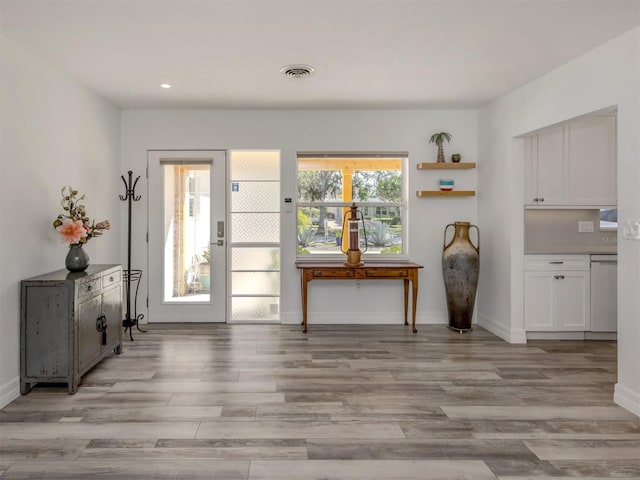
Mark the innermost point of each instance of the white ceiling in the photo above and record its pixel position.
(368, 54)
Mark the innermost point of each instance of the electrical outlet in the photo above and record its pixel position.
(631, 230)
(585, 227)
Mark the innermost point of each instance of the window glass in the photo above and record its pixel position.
(328, 184)
(608, 218)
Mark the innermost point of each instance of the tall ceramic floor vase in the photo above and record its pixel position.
(460, 269)
(77, 259)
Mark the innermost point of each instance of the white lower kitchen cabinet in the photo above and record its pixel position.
(557, 293)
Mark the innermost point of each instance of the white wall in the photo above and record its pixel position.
(291, 131)
(607, 76)
(54, 132)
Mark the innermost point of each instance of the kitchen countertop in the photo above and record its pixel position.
(605, 249)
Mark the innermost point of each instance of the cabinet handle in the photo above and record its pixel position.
(101, 327)
(556, 263)
(559, 277)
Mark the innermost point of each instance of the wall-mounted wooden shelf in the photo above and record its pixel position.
(452, 193)
(446, 166)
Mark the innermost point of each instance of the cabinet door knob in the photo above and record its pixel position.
(542, 199)
(101, 327)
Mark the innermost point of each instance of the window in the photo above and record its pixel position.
(328, 183)
(608, 219)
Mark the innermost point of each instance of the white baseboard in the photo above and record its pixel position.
(572, 335)
(368, 318)
(555, 335)
(627, 398)
(507, 334)
(9, 391)
(600, 335)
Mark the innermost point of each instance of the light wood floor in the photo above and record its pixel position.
(341, 402)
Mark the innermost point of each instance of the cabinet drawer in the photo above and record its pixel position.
(109, 279)
(89, 289)
(386, 273)
(334, 273)
(556, 262)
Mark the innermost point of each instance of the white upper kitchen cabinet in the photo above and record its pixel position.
(592, 161)
(547, 170)
(573, 164)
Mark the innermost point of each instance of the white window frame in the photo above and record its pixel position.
(402, 205)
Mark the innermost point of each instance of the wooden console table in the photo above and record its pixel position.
(406, 271)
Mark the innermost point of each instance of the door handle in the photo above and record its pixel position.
(220, 229)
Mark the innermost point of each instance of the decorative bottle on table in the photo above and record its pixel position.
(460, 269)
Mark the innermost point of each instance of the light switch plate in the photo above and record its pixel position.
(585, 227)
(631, 230)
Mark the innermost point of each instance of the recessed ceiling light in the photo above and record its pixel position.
(297, 70)
(165, 85)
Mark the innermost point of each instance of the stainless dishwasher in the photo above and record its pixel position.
(604, 293)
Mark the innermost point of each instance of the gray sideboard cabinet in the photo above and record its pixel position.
(68, 323)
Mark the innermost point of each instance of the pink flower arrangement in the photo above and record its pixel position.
(74, 226)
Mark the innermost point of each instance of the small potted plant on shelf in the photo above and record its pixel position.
(438, 139)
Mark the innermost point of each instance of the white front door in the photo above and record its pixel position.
(187, 236)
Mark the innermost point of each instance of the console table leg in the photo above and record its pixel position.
(406, 301)
(304, 301)
(414, 283)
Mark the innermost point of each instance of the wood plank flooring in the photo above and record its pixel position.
(257, 402)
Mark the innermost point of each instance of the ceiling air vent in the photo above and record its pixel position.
(297, 71)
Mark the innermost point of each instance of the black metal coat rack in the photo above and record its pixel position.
(129, 274)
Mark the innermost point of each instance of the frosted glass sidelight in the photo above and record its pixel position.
(255, 197)
(255, 227)
(254, 165)
(254, 236)
(255, 283)
(255, 308)
(255, 258)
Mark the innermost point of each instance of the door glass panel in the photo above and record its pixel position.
(187, 214)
